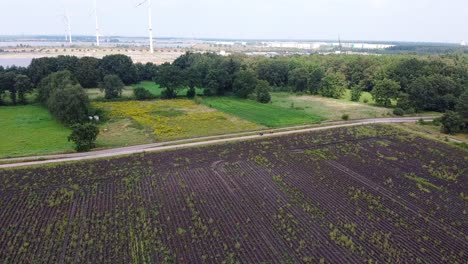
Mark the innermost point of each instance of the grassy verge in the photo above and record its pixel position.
(331, 109)
(269, 115)
(31, 130)
(156, 90)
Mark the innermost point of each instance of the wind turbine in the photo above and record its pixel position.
(67, 20)
(97, 22)
(150, 22)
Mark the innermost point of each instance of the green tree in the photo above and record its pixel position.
(462, 107)
(141, 93)
(452, 122)
(333, 85)
(169, 77)
(356, 92)
(54, 81)
(121, 66)
(275, 71)
(23, 85)
(245, 83)
(112, 86)
(7, 83)
(69, 104)
(88, 72)
(84, 136)
(315, 79)
(384, 91)
(262, 91)
(299, 79)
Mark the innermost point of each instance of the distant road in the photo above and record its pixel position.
(48, 159)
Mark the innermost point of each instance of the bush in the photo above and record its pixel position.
(84, 136)
(197, 100)
(69, 105)
(398, 111)
(142, 94)
(345, 117)
(191, 92)
(366, 100)
(112, 86)
(452, 122)
(356, 92)
(263, 92)
(169, 93)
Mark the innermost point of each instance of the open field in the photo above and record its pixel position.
(96, 93)
(176, 119)
(331, 109)
(155, 89)
(353, 195)
(31, 130)
(364, 96)
(264, 114)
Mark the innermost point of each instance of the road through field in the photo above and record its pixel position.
(48, 159)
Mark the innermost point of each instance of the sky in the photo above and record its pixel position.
(386, 20)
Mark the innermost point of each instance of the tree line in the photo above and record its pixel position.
(411, 83)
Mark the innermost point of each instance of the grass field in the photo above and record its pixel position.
(331, 109)
(155, 89)
(173, 119)
(264, 114)
(31, 130)
(364, 96)
(96, 93)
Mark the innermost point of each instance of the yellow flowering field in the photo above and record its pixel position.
(175, 119)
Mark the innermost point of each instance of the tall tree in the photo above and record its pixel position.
(54, 81)
(121, 66)
(299, 79)
(384, 91)
(262, 91)
(112, 86)
(88, 72)
(23, 85)
(244, 83)
(7, 83)
(169, 77)
(69, 104)
(333, 85)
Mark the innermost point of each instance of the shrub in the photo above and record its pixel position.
(356, 92)
(345, 117)
(169, 93)
(112, 86)
(366, 100)
(398, 111)
(142, 94)
(197, 100)
(69, 105)
(263, 92)
(191, 92)
(84, 136)
(452, 122)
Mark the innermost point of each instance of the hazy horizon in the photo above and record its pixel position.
(371, 20)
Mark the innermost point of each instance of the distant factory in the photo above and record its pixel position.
(318, 45)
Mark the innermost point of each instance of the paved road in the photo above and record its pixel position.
(39, 160)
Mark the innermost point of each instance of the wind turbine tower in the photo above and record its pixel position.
(67, 18)
(150, 23)
(97, 22)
